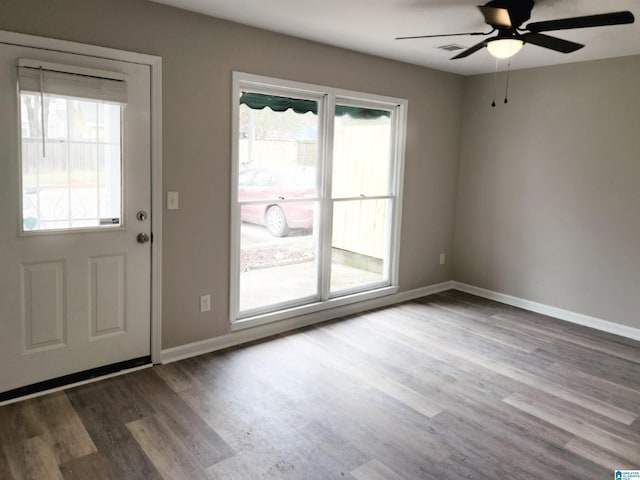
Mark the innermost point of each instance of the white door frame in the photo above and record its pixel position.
(155, 65)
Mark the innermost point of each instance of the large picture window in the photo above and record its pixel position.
(316, 197)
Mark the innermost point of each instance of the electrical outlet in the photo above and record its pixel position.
(442, 258)
(205, 303)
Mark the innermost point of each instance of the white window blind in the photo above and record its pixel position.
(71, 81)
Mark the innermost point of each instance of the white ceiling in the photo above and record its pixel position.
(371, 26)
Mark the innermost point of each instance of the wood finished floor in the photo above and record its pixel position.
(447, 387)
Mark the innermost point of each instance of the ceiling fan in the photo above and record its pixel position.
(506, 18)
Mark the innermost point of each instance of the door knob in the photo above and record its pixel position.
(143, 238)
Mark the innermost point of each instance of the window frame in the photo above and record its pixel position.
(327, 98)
(107, 93)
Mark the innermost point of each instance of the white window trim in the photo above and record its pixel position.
(326, 98)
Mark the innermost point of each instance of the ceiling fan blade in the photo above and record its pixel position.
(496, 17)
(604, 19)
(469, 51)
(553, 43)
(443, 35)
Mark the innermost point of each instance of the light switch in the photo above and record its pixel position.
(172, 200)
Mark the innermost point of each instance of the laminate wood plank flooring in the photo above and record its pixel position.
(446, 387)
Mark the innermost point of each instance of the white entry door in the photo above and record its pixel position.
(75, 196)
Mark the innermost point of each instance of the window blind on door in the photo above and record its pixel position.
(71, 81)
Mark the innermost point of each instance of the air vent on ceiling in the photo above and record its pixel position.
(451, 47)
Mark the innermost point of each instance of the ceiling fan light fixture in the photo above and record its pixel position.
(504, 47)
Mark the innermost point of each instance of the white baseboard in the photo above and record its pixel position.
(263, 331)
(566, 315)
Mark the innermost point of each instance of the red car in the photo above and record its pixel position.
(271, 185)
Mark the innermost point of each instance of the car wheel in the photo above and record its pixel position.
(276, 222)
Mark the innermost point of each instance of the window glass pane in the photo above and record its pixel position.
(361, 152)
(278, 155)
(278, 150)
(76, 181)
(246, 177)
(56, 116)
(359, 245)
(277, 254)
(83, 120)
(109, 180)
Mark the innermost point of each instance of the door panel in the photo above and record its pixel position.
(73, 300)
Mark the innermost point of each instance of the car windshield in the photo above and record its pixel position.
(302, 178)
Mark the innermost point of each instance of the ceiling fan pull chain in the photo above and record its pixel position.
(506, 90)
(495, 81)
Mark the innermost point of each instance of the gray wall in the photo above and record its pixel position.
(549, 188)
(199, 54)
(548, 205)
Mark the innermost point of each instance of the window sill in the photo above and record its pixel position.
(308, 309)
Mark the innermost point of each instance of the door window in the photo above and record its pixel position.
(71, 143)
